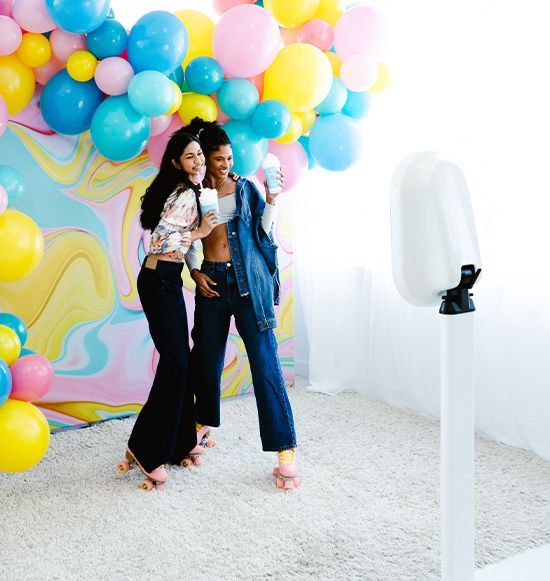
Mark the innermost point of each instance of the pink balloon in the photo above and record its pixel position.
(32, 377)
(157, 144)
(289, 35)
(3, 199)
(5, 7)
(359, 30)
(222, 6)
(160, 124)
(32, 15)
(3, 116)
(64, 43)
(246, 41)
(10, 35)
(113, 75)
(317, 32)
(359, 72)
(44, 73)
(293, 160)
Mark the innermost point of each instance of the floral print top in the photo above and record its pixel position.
(172, 236)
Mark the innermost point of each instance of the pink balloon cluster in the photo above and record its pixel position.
(32, 377)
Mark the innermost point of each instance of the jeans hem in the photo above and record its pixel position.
(280, 448)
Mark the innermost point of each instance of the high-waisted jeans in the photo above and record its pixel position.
(210, 332)
(165, 428)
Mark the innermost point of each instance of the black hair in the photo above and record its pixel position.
(167, 179)
(210, 134)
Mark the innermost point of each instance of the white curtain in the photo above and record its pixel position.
(469, 79)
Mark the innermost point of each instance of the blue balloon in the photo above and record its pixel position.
(334, 142)
(335, 99)
(110, 39)
(118, 131)
(357, 105)
(249, 149)
(271, 119)
(16, 324)
(68, 105)
(157, 41)
(151, 93)
(204, 75)
(5, 381)
(25, 351)
(178, 77)
(79, 16)
(304, 142)
(13, 183)
(238, 98)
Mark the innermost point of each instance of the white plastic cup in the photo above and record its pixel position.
(272, 168)
(208, 201)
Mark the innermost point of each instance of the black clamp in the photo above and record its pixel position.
(458, 300)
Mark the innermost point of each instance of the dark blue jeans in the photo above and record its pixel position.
(165, 428)
(210, 332)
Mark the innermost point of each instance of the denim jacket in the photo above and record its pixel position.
(254, 254)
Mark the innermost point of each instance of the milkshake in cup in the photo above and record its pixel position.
(208, 200)
(272, 168)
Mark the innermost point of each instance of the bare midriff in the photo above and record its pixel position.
(216, 245)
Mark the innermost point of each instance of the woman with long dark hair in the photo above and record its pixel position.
(239, 277)
(164, 431)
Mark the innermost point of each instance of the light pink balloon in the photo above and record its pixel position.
(44, 73)
(64, 43)
(160, 124)
(5, 7)
(359, 72)
(317, 32)
(359, 30)
(246, 41)
(3, 199)
(32, 15)
(10, 35)
(3, 116)
(157, 144)
(293, 160)
(113, 75)
(32, 377)
(222, 6)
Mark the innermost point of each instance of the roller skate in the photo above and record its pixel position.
(286, 474)
(203, 436)
(154, 479)
(193, 458)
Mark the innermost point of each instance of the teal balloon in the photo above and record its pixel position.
(335, 99)
(118, 131)
(5, 381)
(110, 39)
(238, 98)
(178, 77)
(334, 142)
(204, 75)
(68, 105)
(271, 119)
(13, 183)
(249, 149)
(78, 16)
(304, 142)
(16, 324)
(151, 93)
(357, 105)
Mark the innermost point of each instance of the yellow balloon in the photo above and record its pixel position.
(10, 344)
(21, 245)
(200, 31)
(335, 62)
(24, 436)
(16, 83)
(196, 105)
(290, 13)
(308, 119)
(382, 80)
(294, 131)
(34, 50)
(177, 99)
(300, 77)
(330, 10)
(81, 65)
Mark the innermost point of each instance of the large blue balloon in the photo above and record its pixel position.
(334, 142)
(357, 105)
(157, 41)
(335, 99)
(110, 39)
(80, 16)
(5, 381)
(118, 131)
(204, 75)
(249, 149)
(16, 324)
(271, 119)
(13, 183)
(151, 93)
(68, 105)
(238, 98)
